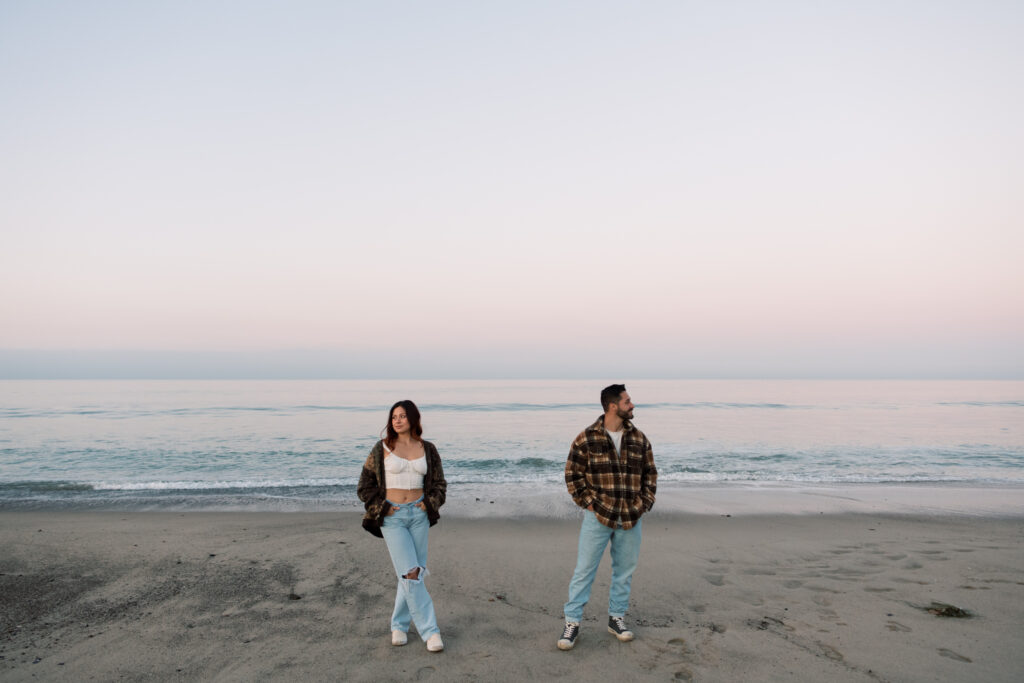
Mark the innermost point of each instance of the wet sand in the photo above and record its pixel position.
(279, 596)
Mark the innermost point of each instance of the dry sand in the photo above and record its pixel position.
(282, 596)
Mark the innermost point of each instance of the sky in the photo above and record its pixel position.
(511, 189)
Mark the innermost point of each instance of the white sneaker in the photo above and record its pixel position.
(434, 643)
(399, 637)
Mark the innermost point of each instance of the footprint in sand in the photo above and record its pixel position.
(822, 600)
(897, 626)
(900, 579)
(715, 579)
(830, 652)
(677, 646)
(872, 589)
(770, 624)
(792, 583)
(954, 656)
(753, 599)
(911, 564)
(673, 646)
(424, 673)
(699, 609)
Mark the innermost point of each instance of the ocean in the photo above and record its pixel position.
(300, 445)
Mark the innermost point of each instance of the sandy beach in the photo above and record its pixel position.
(276, 596)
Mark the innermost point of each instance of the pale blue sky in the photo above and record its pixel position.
(512, 188)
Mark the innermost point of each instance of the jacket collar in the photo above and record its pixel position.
(598, 426)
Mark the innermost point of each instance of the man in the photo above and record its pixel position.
(610, 473)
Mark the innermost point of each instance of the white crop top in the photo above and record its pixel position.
(400, 473)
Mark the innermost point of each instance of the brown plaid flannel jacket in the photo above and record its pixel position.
(620, 487)
(373, 493)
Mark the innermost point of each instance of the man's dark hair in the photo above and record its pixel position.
(610, 395)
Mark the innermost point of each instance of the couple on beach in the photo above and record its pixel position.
(610, 473)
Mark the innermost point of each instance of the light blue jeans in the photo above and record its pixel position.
(405, 534)
(594, 536)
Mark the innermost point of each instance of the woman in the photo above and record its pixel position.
(402, 487)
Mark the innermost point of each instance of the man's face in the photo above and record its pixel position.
(624, 407)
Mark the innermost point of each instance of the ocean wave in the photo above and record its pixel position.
(515, 407)
(44, 486)
(487, 465)
(225, 485)
(835, 478)
(984, 404)
(121, 413)
(125, 413)
(727, 405)
(771, 457)
(454, 480)
(170, 486)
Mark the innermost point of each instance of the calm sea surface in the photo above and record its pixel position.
(301, 444)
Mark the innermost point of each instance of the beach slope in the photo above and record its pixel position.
(275, 596)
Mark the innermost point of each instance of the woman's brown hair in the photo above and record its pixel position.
(413, 414)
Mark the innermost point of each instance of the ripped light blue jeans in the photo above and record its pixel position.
(405, 533)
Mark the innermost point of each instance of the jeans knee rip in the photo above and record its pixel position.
(422, 575)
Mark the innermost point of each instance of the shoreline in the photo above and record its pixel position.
(550, 501)
(174, 596)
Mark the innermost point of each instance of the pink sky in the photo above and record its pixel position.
(680, 189)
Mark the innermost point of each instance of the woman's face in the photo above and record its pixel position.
(399, 420)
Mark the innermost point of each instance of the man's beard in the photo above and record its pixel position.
(624, 414)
